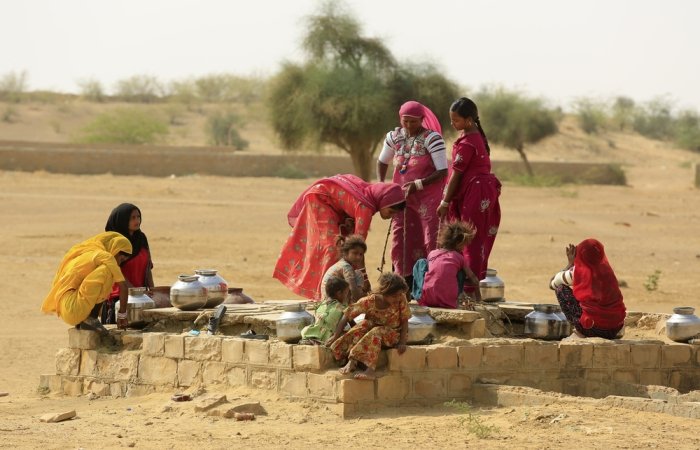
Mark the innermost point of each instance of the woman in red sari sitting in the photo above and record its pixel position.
(341, 204)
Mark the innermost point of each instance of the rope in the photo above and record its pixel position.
(388, 232)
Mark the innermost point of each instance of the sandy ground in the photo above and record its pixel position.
(238, 227)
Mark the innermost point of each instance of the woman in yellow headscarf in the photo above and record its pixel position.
(85, 278)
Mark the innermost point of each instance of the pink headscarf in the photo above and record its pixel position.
(415, 109)
(373, 195)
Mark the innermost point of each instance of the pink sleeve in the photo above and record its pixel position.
(465, 260)
(363, 219)
(464, 151)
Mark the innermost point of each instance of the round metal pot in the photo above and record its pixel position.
(237, 297)
(292, 320)
(683, 325)
(137, 303)
(546, 322)
(420, 325)
(217, 287)
(161, 296)
(188, 293)
(492, 287)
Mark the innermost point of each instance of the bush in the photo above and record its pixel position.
(92, 90)
(623, 109)
(591, 115)
(222, 130)
(654, 120)
(687, 130)
(13, 85)
(140, 89)
(125, 126)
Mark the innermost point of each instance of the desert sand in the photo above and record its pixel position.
(238, 226)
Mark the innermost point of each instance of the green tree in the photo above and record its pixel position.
(348, 91)
(591, 115)
(514, 120)
(140, 89)
(92, 90)
(222, 130)
(13, 85)
(623, 112)
(125, 126)
(687, 130)
(655, 119)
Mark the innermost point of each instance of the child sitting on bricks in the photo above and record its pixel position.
(386, 324)
(329, 312)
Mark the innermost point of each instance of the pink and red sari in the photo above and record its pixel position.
(476, 199)
(316, 218)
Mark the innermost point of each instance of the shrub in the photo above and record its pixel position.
(125, 126)
(222, 130)
(591, 115)
(654, 120)
(140, 89)
(13, 85)
(92, 90)
(622, 112)
(687, 130)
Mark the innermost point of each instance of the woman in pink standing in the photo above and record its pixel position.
(420, 166)
(472, 190)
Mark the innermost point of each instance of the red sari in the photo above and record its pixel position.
(316, 217)
(476, 199)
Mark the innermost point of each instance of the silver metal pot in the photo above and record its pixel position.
(683, 325)
(292, 320)
(546, 322)
(492, 287)
(188, 293)
(138, 302)
(217, 287)
(420, 325)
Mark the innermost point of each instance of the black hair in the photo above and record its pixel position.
(466, 108)
(347, 243)
(391, 283)
(399, 206)
(335, 285)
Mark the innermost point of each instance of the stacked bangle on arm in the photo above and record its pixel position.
(122, 315)
(444, 203)
(418, 184)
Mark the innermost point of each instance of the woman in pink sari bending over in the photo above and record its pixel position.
(420, 166)
(338, 205)
(472, 190)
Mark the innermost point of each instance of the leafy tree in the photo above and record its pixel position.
(92, 90)
(348, 91)
(655, 119)
(13, 85)
(140, 88)
(222, 130)
(125, 126)
(623, 112)
(513, 120)
(687, 130)
(591, 115)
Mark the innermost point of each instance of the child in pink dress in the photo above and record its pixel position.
(440, 285)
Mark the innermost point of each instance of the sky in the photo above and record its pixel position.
(562, 50)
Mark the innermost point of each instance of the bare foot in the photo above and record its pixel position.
(366, 375)
(349, 367)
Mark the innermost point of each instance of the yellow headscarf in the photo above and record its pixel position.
(82, 259)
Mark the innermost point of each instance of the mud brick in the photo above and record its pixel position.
(575, 354)
(293, 383)
(174, 346)
(236, 376)
(72, 386)
(232, 350)
(153, 344)
(83, 339)
(132, 340)
(312, 357)
(503, 356)
(541, 355)
(684, 380)
(208, 402)
(68, 361)
(655, 377)
(50, 382)
(430, 385)
(676, 355)
(138, 390)
(88, 362)
(189, 372)
(263, 379)
(214, 372)
(412, 359)
(203, 348)
(353, 391)
(118, 366)
(257, 352)
(645, 356)
(470, 356)
(117, 390)
(158, 370)
(322, 385)
(281, 354)
(611, 355)
(441, 357)
(476, 329)
(626, 375)
(600, 375)
(459, 385)
(97, 387)
(393, 387)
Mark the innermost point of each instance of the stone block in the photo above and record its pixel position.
(88, 363)
(676, 355)
(208, 402)
(654, 377)
(430, 386)
(257, 352)
(132, 340)
(189, 373)
(117, 366)
(601, 375)
(174, 346)
(97, 387)
(57, 417)
(684, 380)
(293, 383)
(575, 354)
(322, 385)
(83, 339)
(51, 382)
(157, 370)
(645, 356)
(72, 386)
(214, 373)
(68, 361)
(281, 354)
(507, 356)
(393, 388)
(476, 329)
(541, 355)
(470, 356)
(232, 350)
(611, 355)
(414, 358)
(153, 344)
(441, 357)
(236, 376)
(626, 375)
(138, 390)
(248, 407)
(203, 348)
(353, 391)
(263, 379)
(117, 390)
(459, 385)
(312, 357)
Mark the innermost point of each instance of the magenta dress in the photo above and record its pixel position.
(476, 199)
(440, 286)
(415, 156)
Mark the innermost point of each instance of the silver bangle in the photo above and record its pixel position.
(419, 184)
(122, 315)
(444, 203)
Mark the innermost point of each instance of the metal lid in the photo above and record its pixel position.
(546, 308)
(137, 291)
(206, 272)
(419, 310)
(684, 310)
(294, 307)
(491, 272)
(188, 278)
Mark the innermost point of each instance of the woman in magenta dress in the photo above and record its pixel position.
(472, 190)
(420, 166)
(341, 204)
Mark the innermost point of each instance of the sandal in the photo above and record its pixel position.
(250, 334)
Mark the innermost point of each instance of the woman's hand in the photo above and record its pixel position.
(571, 254)
(442, 211)
(409, 188)
(401, 348)
(330, 340)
